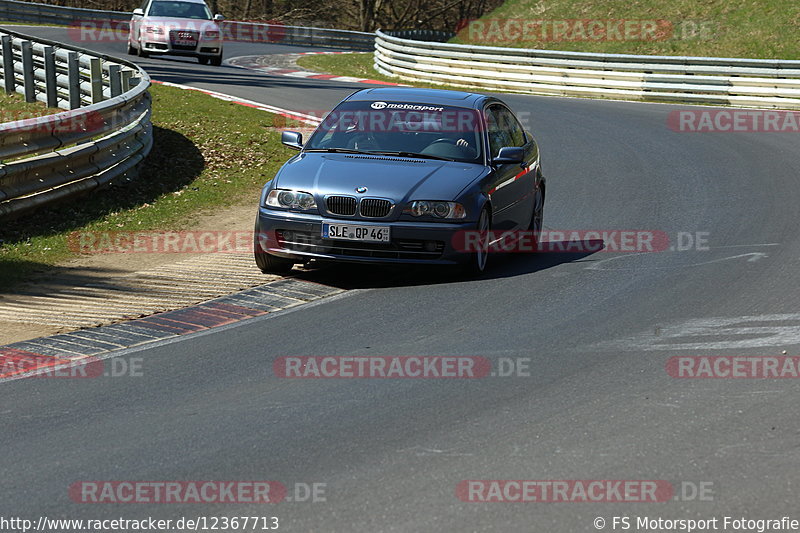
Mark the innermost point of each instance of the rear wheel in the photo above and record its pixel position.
(269, 264)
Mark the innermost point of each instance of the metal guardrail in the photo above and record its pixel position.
(15, 11)
(233, 30)
(103, 136)
(438, 36)
(759, 83)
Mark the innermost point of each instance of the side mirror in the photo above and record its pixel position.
(509, 154)
(138, 11)
(218, 18)
(292, 139)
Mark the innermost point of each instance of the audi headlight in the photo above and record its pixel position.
(288, 199)
(211, 34)
(419, 208)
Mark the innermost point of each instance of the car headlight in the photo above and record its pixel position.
(419, 208)
(289, 199)
(211, 34)
(157, 30)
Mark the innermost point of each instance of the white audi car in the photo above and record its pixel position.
(176, 27)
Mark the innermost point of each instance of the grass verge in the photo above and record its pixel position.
(14, 107)
(207, 154)
(716, 28)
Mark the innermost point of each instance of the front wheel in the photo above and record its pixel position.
(131, 49)
(216, 61)
(140, 51)
(202, 60)
(537, 219)
(478, 259)
(269, 264)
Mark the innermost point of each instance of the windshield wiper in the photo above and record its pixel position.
(339, 151)
(415, 154)
(378, 152)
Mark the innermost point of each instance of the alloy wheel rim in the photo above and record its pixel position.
(483, 243)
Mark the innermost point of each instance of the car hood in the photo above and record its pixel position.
(398, 179)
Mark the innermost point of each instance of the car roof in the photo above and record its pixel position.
(420, 96)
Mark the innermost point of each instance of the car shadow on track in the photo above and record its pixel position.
(372, 276)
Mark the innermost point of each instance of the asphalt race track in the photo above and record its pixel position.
(596, 330)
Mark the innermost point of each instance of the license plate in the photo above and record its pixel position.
(184, 42)
(355, 232)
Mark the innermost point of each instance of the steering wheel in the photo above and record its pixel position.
(458, 150)
(447, 140)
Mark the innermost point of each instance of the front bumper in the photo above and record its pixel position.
(154, 44)
(298, 236)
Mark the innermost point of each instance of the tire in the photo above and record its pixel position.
(269, 264)
(217, 60)
(477, 262)
(131, 49)
(140, 51)
(202, 60)
(538, 216)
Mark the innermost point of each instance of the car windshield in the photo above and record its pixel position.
(183, 10)
(429, 131)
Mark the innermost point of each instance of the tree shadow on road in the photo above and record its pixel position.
(174, 162)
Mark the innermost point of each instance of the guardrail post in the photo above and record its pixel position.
(96, 79)
(28, 82)
(74, 80)
(126, 80)
(9, 81)
(115, 79)
(50, 86)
